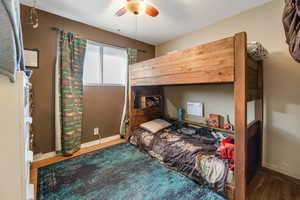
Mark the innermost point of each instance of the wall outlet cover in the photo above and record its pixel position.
(96, 131)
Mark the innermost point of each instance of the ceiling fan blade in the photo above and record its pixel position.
(151, 11)
(121, 12)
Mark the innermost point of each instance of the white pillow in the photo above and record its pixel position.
(155, 125)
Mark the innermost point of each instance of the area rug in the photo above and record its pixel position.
(120, 172)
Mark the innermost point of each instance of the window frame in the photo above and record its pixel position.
(101, 46)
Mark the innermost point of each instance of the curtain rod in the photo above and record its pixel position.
(139, 50)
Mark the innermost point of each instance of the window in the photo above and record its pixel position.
(92, 65)
(104, 65)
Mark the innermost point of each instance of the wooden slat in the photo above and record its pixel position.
(252, 79)
(252, 64)
(253, 128)
(240, 97)
(253, 146)
(209, 63)
(260, 79)
(230, 190)
(225, 131)
(253, 94)
(259, 107)
(217, 75)
(139, 116)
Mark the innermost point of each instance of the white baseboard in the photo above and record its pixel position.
(84, 145)
(42, 156)
(280, 170)
(101, 141)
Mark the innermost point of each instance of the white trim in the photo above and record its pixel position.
(41, 156)
(30, 193)
(91, 143)
(105, 45)
(101, 66)
(103, 85)
(84, 145)
(109, 139)
(103, 140)
(281, 170)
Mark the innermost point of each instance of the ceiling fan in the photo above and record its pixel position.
(138, 7)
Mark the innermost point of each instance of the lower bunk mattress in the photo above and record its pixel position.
(194, 155)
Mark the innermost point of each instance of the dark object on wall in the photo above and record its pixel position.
(144, 102)
(291, 23)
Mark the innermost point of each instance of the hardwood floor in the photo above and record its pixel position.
(269, 185)
(266, 185)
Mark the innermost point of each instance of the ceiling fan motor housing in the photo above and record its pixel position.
(136, 7)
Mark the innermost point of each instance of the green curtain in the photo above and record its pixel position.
(132, 58)
(72, 52)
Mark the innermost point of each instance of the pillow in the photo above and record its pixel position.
(155, 125)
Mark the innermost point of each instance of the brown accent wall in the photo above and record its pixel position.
(102, 105)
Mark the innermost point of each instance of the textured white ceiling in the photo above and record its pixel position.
(176, 17)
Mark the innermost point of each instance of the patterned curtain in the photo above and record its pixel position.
(132, 58)
(69, 72)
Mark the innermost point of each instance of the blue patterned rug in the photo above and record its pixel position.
(117, 173)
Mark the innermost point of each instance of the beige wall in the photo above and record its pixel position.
(281, 82)
(217, 99)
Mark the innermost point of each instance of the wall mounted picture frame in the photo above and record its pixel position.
(31, 57)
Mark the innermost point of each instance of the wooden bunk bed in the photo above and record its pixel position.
(219, 62)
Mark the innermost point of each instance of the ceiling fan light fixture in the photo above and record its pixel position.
(136, 7)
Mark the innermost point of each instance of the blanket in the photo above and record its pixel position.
(195, 157)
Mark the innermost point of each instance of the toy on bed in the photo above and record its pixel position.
(226, 150)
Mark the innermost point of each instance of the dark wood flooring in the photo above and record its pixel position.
(269, 185)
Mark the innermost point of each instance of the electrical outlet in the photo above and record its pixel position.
(96, 131)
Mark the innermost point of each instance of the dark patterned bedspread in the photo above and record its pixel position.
(184, 153)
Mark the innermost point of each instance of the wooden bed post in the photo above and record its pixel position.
(259, 107)
(240, 98)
